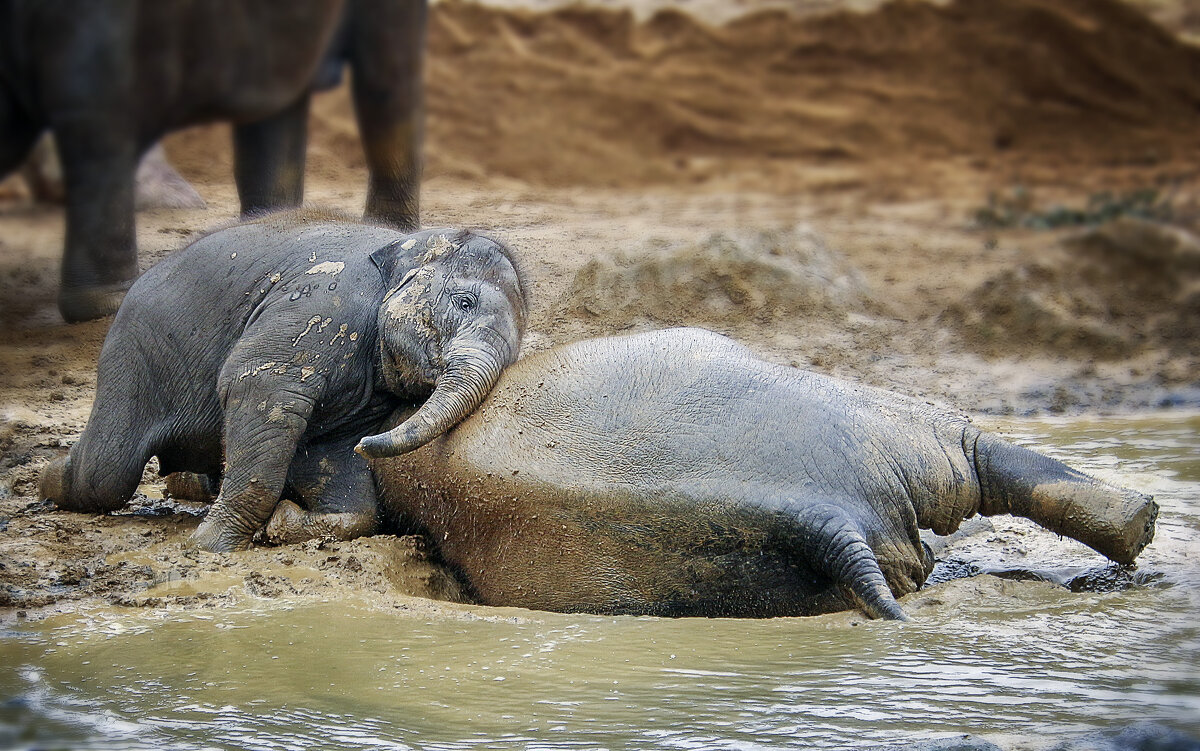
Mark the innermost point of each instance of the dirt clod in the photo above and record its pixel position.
(1107, 293)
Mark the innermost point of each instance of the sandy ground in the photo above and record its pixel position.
(910, 196)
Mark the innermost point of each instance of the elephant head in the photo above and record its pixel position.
(451, 320)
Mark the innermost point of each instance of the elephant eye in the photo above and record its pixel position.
(465, 302)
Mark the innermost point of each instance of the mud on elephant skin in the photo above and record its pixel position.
(260, 355)
(675, 473)
(110, 79)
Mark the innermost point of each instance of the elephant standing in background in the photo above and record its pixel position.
(675, 473)
(157, 185)
(266, 351)
(111, 77)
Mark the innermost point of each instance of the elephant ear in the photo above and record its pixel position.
(386, 258)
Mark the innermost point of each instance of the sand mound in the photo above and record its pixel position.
(591, 96)
(1109, 293)
(584, 95)
(725, 282)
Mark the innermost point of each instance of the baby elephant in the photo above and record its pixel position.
(674, 473)
(285, 341)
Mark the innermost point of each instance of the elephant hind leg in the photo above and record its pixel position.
(835, 545)
(291, 524)
(336, 486)
(192, 463)
(269, 160)
(1116, 522)
(191, 486)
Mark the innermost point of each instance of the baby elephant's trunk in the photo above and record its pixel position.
(468, 378)
(1116, 522)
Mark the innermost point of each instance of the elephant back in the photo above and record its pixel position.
(692, 413)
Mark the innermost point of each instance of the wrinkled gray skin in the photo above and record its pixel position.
(288, 341)
(110, 77)
(674, 473)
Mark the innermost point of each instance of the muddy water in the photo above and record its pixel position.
(1022, 661)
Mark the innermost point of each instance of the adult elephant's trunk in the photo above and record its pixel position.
(470, 374)
(1116, 522)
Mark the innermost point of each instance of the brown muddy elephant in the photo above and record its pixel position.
(110, 77)
(674, 473)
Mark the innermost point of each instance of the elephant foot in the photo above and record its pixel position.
(287, 524)
(291, 524)
(53, 484)
(215, 536)
(79, 304)
(189, 486)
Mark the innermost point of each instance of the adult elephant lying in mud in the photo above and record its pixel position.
(674, 473)
(287, 341)
(110, 79)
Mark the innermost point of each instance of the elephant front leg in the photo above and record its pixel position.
(336, 486)
(269, 160)
(262, 429)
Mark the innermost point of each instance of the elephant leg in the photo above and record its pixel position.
(103, 469)
(1117, 522)
(100, 258)
(91, 100)
(81, 485)
(386, 43)
(159, 185)
(336, 486)
(18, 134)
(265, 418)
(835, 545)
(193, 486)
(269, 160)
(43, 172)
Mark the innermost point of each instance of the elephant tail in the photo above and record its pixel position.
(836, 547)
(1116, 522)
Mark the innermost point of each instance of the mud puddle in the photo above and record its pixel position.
(262, 662)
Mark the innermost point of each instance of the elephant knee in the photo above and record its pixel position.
(61, 485)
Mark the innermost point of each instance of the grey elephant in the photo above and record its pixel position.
(109, 79)
(157, 184)
(674, 473)
(261, 354)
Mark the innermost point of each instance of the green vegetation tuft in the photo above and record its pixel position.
(1016, 208)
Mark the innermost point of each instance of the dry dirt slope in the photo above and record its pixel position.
(588, 96)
